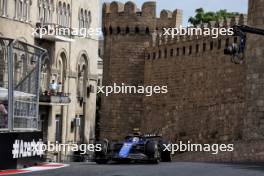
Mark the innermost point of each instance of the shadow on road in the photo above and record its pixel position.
(118, 163)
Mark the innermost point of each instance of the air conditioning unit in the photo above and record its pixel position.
(77, 122)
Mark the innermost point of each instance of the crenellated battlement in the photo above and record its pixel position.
(116, 8)
(193, 45)
(160, 39)
(169, 19)
(119, 18)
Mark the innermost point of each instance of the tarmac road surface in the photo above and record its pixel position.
(162, 169)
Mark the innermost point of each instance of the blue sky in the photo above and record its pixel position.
(189, 6)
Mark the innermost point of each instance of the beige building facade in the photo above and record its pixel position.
(67, 116)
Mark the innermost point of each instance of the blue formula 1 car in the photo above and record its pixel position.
(135, 147)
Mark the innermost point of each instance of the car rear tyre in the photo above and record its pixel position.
(164, 155)
(152, 151)
(101, 156)
(150, 148)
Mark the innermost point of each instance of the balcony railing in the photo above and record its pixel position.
(54, 98)
(53, 32)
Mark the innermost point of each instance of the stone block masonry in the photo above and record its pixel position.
(206, 92)
(254, 118)
(128, 33)
(209, 99)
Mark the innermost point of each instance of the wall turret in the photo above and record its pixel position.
(119, 18)
(127, 32)
(254, 120)
(169, 19)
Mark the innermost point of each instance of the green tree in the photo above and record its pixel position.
(205, 17)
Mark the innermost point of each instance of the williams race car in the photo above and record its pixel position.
(135, 147)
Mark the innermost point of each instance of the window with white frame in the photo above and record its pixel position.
(22, 10)
(63, 14)
(45, 11)
(3, 8)
(59, 13)
(89, 19)
(68, 15)
(64, 11)
(81, 19)
(84, 18)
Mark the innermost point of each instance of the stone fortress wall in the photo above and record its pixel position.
(209, 99)
(206, 91)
